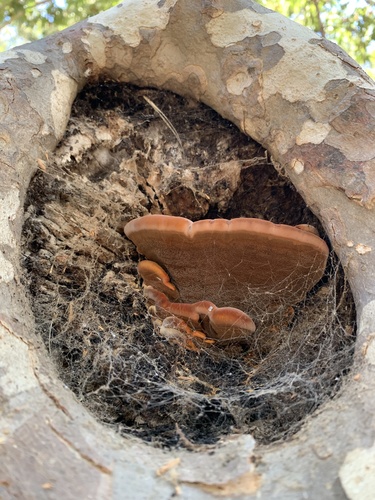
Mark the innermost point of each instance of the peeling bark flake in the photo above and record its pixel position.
(128, 20)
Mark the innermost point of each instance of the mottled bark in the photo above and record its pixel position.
(313, 108)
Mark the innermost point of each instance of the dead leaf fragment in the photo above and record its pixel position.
(168, 466)
(246, 484)
(362, 249)
(41, 165)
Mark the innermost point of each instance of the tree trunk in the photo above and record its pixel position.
(313, 108)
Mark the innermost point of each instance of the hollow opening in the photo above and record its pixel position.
(120, 159)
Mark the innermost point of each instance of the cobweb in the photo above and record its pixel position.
(117, 161)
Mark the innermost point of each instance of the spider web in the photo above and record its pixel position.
(118, 161)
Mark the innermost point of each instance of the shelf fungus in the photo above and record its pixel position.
(216, 275)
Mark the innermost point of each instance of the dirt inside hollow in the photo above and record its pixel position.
(119, 160)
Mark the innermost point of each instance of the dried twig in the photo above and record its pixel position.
(165, 119)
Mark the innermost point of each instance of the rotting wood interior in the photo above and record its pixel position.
(117, 161)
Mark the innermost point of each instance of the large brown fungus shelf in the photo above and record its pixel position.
(245, 264)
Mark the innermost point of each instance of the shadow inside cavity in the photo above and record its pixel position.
(117, 161)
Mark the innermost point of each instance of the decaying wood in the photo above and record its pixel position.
(313, 108)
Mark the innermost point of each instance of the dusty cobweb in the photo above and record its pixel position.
(119, 160)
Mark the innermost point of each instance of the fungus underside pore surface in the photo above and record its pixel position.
(118, 161)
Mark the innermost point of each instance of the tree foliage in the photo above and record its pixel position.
(349, 23)
(27, 20)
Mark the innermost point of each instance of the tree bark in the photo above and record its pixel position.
(313, 108)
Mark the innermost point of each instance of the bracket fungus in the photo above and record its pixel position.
(223, 323)
(218, 274)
